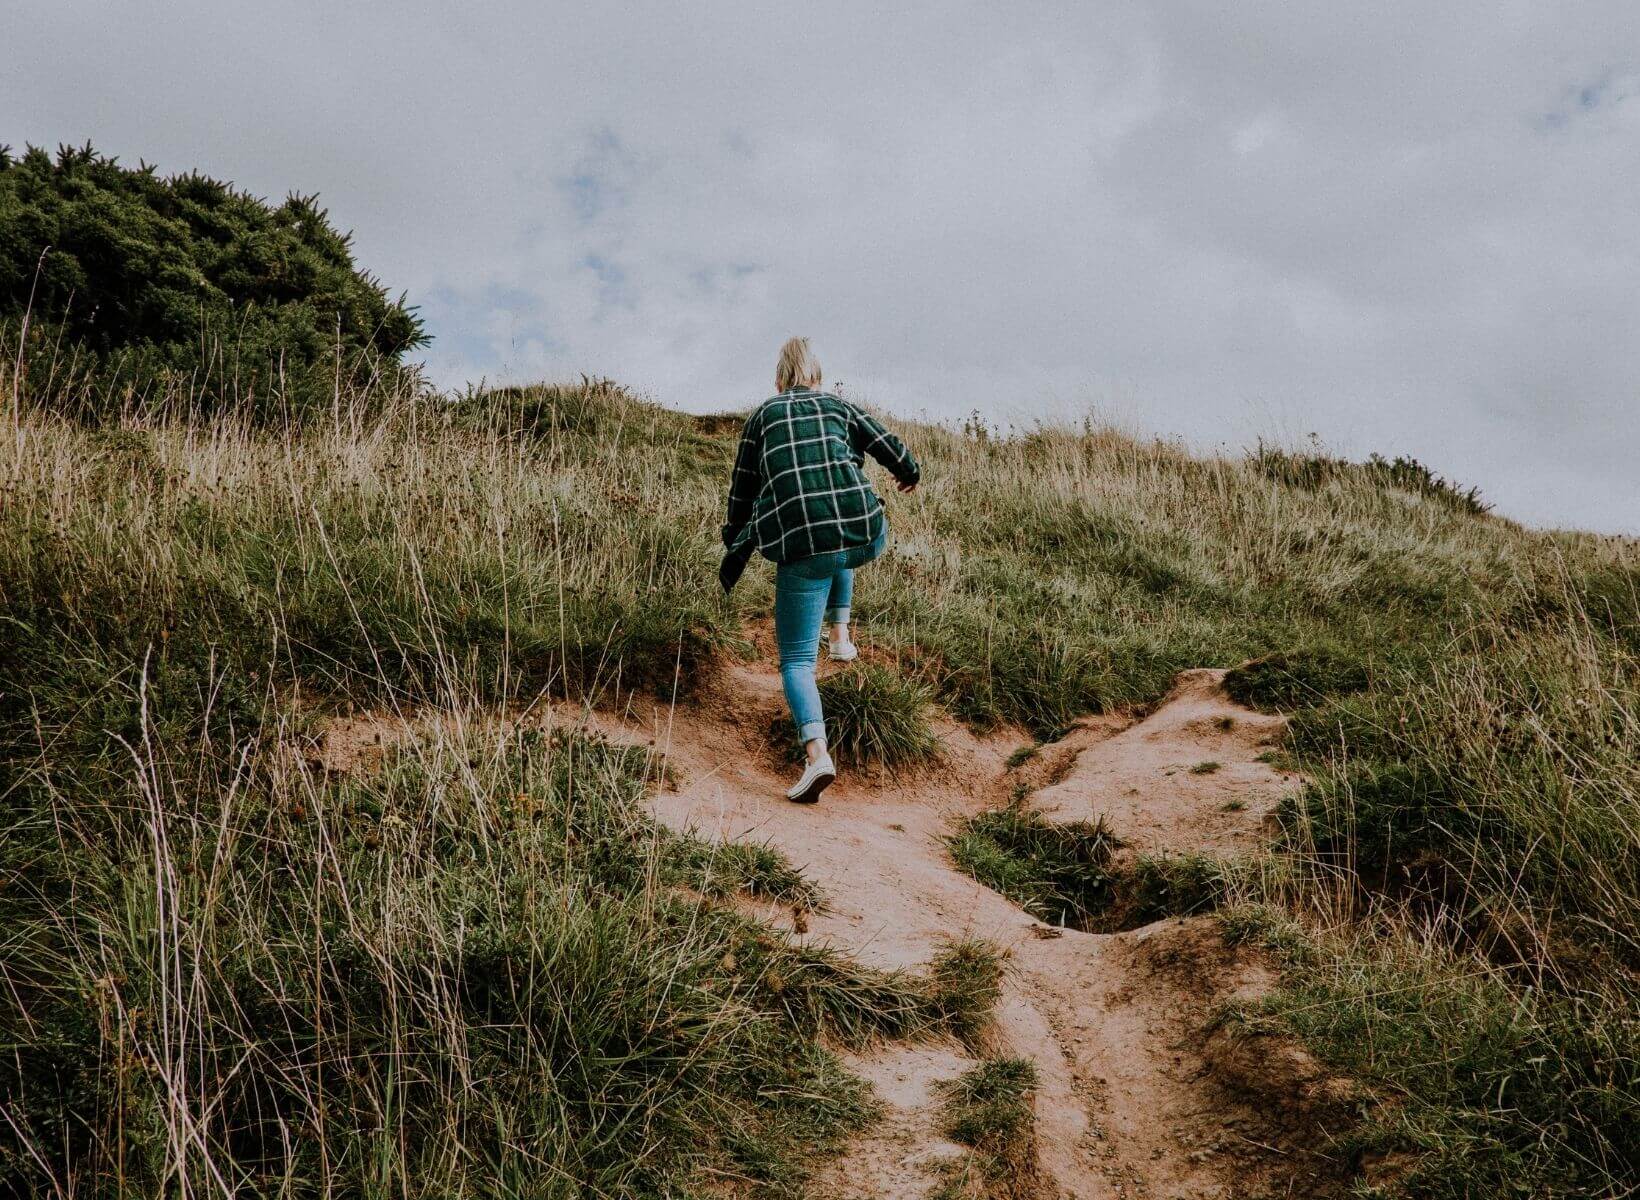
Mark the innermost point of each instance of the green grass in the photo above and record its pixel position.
(1060, 873)
(1018, 758)
(449, 972)
(722, 868)
(989, 1109)
(875, 717)
(1497, 1091)
(963, 982)
(182, 600)
(1067, 873)
(1293, 679)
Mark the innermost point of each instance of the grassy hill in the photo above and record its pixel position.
(485, 970)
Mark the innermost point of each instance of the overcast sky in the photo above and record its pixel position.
(1404, 227)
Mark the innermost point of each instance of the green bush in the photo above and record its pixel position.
(139, 286)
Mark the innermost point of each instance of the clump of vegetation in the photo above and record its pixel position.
(1024, 754)
(1153, 886)
(139, 289)
(1208, 767)
(964, 981)
(1059, 872)
(989, 1109)
(723, 868)
(1067, 873)
(1436, 794)
(875, 717)
(1498, 1091)
(1314, 469)
(1300, 678)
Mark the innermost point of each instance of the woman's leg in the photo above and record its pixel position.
(799, 604)
(838, 603)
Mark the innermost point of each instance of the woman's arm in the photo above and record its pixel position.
(746, 480)
(868, 436)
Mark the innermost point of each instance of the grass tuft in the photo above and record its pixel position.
(1154, 886)
(874, 718)
(964, 981)
(989, 1109)
(1067, 873)
(721, 868)
(1060, 873)
(1293, 679)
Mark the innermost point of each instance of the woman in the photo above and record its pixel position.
(799, 494)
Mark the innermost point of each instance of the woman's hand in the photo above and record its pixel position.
(906, 487)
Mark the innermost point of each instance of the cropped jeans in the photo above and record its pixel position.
(808, 591)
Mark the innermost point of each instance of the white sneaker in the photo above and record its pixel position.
(816, 776)
(842, 651)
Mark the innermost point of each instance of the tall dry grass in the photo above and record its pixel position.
(182, 595)
(480, 969)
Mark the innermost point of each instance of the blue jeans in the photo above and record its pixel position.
(807, 591)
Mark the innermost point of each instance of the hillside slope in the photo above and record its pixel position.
(468, 959)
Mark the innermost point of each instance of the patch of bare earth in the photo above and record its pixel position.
(1140, 1095)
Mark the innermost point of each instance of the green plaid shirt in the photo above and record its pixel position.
(799, 486)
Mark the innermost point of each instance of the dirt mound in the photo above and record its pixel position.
(1190, 777)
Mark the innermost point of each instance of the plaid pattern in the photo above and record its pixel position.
(799, 486)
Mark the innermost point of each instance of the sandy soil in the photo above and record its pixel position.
(1136, 1099)
(1139, 1098)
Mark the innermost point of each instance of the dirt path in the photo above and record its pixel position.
(1135, 1099)
(1139, 1098)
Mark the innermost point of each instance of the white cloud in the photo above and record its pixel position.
(1407, 229)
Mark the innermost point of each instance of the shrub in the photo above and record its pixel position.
(157, 284)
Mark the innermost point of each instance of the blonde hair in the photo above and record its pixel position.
(797, 366)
